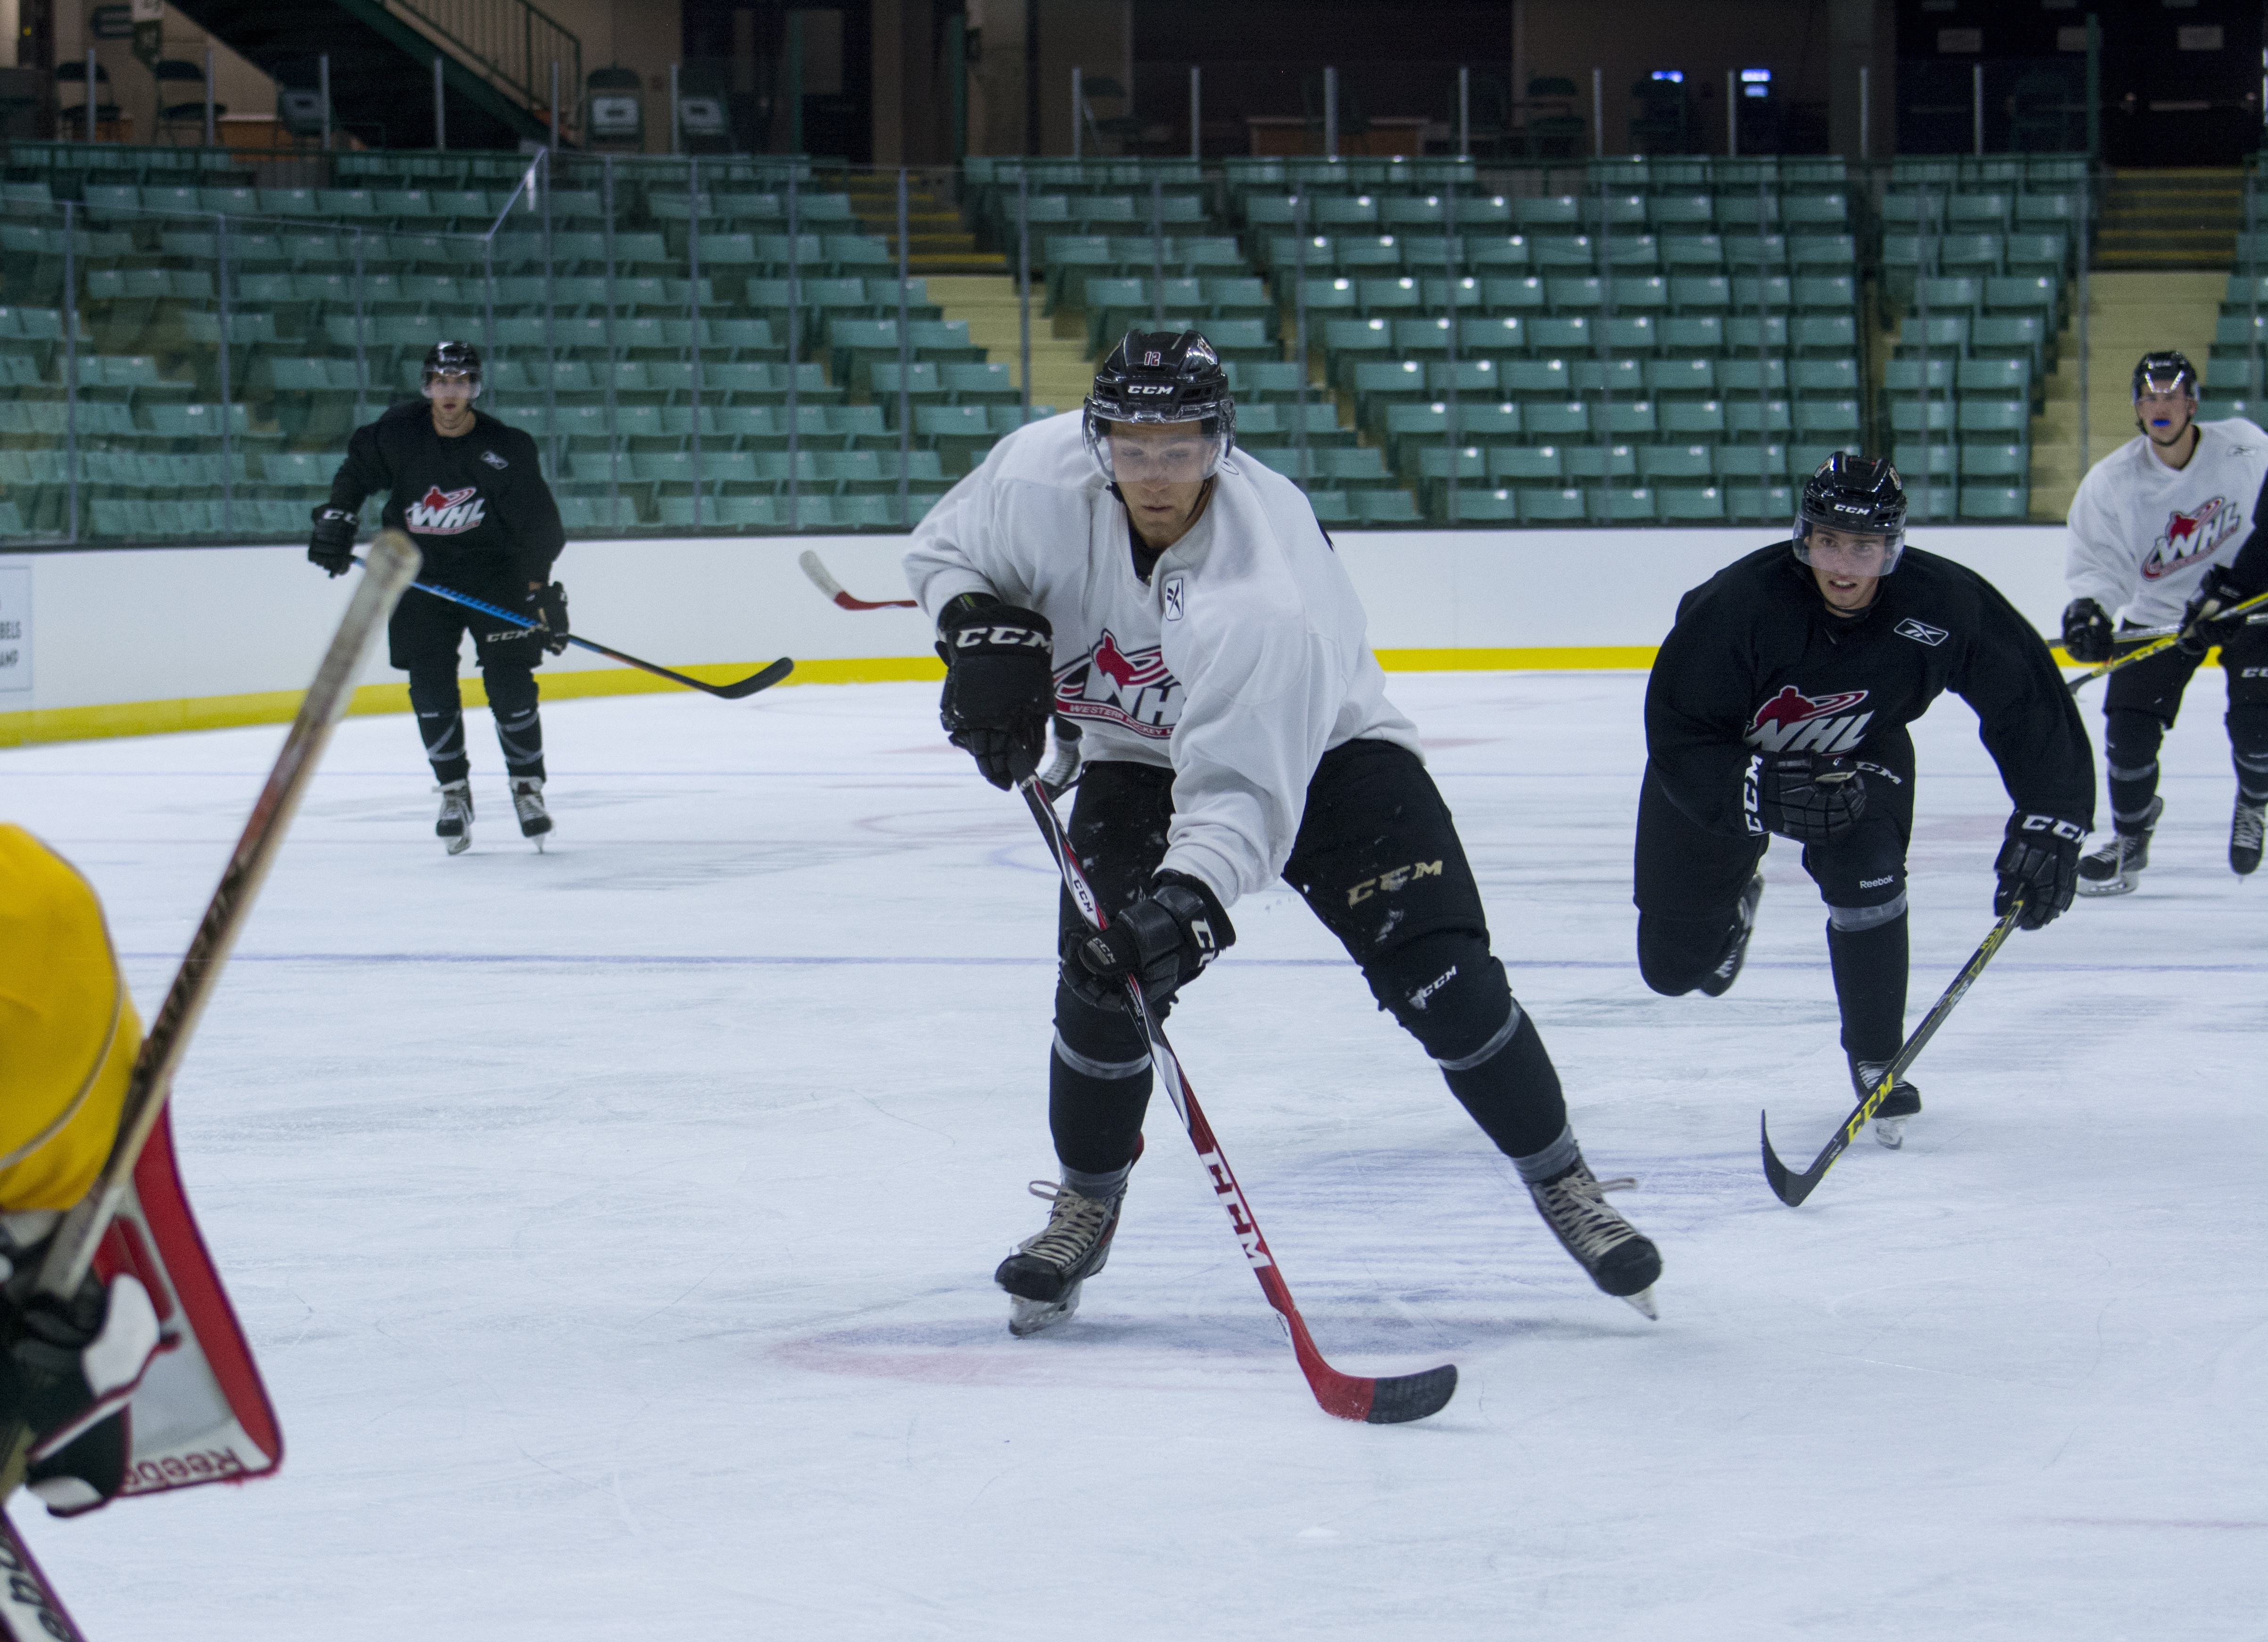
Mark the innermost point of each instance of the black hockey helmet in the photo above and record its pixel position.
(453, 358)
(2165, 371)
(1161, 377)
(1857, 495)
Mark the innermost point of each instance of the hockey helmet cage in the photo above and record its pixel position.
(1154, 378)
(1858, 495)
(2164, 370)
(452, 358)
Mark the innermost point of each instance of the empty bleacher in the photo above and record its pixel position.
(727, 345)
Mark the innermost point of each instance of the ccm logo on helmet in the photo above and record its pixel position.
(1149, 387)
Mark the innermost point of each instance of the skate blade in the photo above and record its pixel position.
(1027, 1318)
(460, 844)
(2109, 886)
(1642, 1302)
(539, 837)
(1890, 1132)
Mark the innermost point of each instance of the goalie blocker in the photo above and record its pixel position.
(142, 1382)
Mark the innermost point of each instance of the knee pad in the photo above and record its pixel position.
(2130, 743)
(1674, 955)
(512, 691)
(1104, 1044)
(1448, 994)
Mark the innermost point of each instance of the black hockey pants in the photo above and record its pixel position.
(1378, 860)
(1688, 885)
(425, 638)
(2141, 702)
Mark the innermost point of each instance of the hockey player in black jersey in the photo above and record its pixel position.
(469, 490)
(1779, 704)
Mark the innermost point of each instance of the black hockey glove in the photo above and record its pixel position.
(1166, 938)
(331, 544)
(2086, 631)
(2216, 593)
(1805, 796)
(999, 684)
(2040, 862)
(548, 606)
(73, 1364)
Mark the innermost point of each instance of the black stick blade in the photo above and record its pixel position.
(1400, 1398)
(1790, 1188)
(754, 682)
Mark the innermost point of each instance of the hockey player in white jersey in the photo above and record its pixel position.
(1124, 567)
(2151, 525)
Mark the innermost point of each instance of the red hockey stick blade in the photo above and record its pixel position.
(826, 584)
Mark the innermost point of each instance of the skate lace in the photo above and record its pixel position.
(1578, 1207)
(2252, 823)
(1074, 1224)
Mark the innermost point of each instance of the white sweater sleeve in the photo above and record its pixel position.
(951, 541)
(2102, 558)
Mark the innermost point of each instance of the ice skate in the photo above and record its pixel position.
(1904, 1101)
(527, 803)
(2244, 834)
(455, 824)
(1044, 1276)
(2117, 868)
(1620, 1258)
(1729, 968)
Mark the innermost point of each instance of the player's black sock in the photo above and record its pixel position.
(2130, 755)
(441, 723)
(1870, 987)
(1514, 1095)
(519, 729)
(1098, 1078)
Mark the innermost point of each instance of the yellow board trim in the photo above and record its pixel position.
(277, 706)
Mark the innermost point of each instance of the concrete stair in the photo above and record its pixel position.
(937, 240)
(1061, 372)
(2128, 315)
(2164, 218)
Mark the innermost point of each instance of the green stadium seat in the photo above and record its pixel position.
(1386, 506)
(1548, 506)
(1656, 463)
(1475, 506)
(1995, 416)
(1996, 502)
(1690, 504)
(1995, 462)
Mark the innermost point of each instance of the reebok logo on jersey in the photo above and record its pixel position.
(1791, 721)
(445, 513)
(2190, 538)
(494, 460)
(1920, 632)
(1175, 598)
(1129, 688)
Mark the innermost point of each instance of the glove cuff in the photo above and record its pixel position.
(1224, 932)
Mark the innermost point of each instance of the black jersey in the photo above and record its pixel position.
(1758, 662)
(481, 494)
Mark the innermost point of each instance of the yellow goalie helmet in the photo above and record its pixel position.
(69, 1034)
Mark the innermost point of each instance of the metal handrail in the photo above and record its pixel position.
(510, 42)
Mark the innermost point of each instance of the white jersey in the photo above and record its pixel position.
(1238, 665)
(2142, 534)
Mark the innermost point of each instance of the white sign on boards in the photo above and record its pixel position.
(15, 627)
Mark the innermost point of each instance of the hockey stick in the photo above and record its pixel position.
(833, 589)
(2157, 645)
(1793, 1188)
(393, 562)
(1393, 1400)
(30, 1611)
(747, 686)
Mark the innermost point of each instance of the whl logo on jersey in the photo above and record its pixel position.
(1791, 721)
(2189, 538)
(445, 513)
(1129, 688)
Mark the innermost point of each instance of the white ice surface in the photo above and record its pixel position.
(616, 1226)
